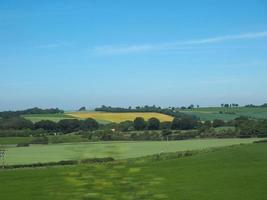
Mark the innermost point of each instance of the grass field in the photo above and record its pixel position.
(67, 138)
(14, 140)
(117, 150)
(119, 117)
(237, 173)
(53, 117)
(212, 113)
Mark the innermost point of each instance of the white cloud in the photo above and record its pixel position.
(125, 49)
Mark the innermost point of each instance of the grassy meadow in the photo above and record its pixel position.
(67, 138)
(52, 117)
(211, 113)
(236, 172)
(117, 150)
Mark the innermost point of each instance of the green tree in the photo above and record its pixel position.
(69, 125)
(126, 126)
(139, 123)
(153, 124)
(165, 125)
(218, 123)
(46, 125)
(89, 124)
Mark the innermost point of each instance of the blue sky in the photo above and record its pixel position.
(170, 53)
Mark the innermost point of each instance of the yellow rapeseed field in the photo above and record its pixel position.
(119, 117)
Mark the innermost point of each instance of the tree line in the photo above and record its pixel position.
(167, 111)
(36, 110)
(244, 126)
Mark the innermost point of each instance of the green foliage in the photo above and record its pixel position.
(11, 114)
(139, 123)
(166, 111)
(89, 124)
(69, 125)
(15, 123)
(184, 123)
(217, 123)
(126, 126)
(46, 125)
(165, 125)
(153, 124)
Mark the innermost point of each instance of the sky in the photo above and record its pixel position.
(69, 54)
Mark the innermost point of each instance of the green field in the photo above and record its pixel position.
(53, 117)
(67, 138)
(237, 173)
(14, 140)
(211, 113)
(117, 150)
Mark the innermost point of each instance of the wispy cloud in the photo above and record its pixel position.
(125, 49)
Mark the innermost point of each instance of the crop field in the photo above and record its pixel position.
(53, 117)
(117, 150)
(119, 117)
(211, 113)
(237, 172)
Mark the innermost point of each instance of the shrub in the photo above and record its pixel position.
(23, 145)
(97, 160)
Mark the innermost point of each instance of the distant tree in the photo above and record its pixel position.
(207, 124)
(188, 123)
(165, 125)
(218, 123)
(184, 123)
(89, 124)
(82, 108)
(191, 106)
(139, 123)
(46, 125)
(69, 125)
(176, 123)
(126, 126)
(17, 123)
(153, 124)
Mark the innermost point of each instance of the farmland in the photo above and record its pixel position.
(117, 150)
(227, 114)
(102, 117)
(53, 117)
(209, 113)
(68, 138)
(119, 117)
(237, 172)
